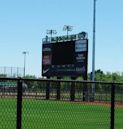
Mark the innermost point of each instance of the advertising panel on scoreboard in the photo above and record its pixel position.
(81, 55)
(65, 58)
(46, 59)
(80, 46)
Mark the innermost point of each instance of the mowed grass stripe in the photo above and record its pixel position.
(8, 113)
(43, 114)
(65, 115)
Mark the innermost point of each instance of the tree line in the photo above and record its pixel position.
(99, 76)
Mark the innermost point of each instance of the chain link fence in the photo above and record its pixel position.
(8, 104)
(59, 104)
(11, 71)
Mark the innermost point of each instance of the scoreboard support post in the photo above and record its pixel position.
(85, 77)
(85, 90)
(48, 89)
(72, 90)
(58, 89)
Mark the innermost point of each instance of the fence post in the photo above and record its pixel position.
(112, 124)
(19, 104)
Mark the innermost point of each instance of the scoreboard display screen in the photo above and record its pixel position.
(65, 58)
(63, 53)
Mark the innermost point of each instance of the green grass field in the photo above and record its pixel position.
(43, 114)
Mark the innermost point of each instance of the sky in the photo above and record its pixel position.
(23, 24)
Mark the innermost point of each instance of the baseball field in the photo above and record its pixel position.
(50, 114)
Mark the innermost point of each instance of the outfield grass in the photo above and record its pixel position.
(43, 114)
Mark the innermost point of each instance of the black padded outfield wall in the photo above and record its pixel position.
(65, 58)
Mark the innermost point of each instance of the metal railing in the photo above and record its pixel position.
(60, 104)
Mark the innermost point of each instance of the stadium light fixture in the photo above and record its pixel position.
(67, 28)
(25, 53)
(51, 32)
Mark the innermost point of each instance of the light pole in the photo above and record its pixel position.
(51, 32)
(93, 51)
(94, 31)
(24, 52)
(67, 28)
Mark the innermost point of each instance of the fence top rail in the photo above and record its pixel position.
(60, 80)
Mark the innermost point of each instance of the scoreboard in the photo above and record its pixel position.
(66, 58)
